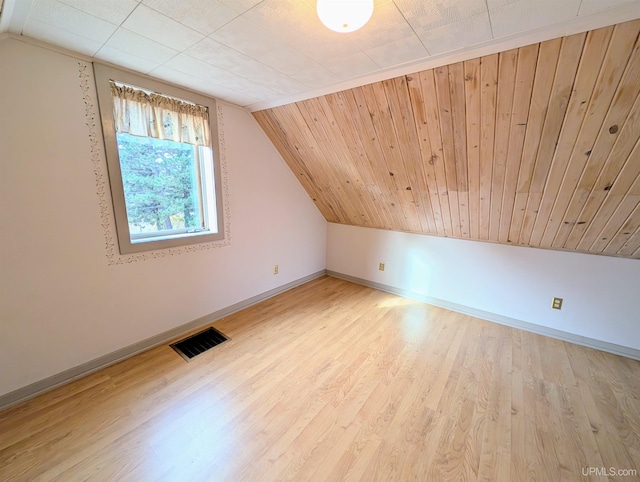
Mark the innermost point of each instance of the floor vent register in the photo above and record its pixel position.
(199, 343)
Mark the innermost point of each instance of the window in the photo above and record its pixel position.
(161, 144)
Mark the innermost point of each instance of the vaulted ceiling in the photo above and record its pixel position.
(532, 144)
(535, 146)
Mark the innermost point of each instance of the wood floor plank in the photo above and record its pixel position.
(336, 381)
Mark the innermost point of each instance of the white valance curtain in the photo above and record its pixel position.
(145, 114)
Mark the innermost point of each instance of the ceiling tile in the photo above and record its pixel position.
(387, 25)
(204, 16)
(248, 37)
(293, 63)
(350, 66)
(114, 11)
(142, 47)
(457, 35)
(328, 53)
(61, 38)
(198, 69)
(315, 77)
(215, 53)
(203, 86)
(400, 51)
(228, 80)
(499, 3)
(435, 13)
(290, 20)
(219, 55)
(19, 15)
(160, 28)
(254, 41)
(377, 3)
(592, 6)
(240, 6)
(67, 18)
(328, 47)
(526, 15)
(125, 59)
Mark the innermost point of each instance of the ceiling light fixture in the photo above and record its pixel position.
(344, 16)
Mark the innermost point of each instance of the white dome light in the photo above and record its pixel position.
(344, 16)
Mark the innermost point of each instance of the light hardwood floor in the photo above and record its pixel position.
(335, 381)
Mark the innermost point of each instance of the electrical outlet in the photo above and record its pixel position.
(556, 303)
(381, 266)
(275, 269)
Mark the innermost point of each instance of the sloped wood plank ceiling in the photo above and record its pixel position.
(537, 146)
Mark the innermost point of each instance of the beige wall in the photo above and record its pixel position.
(510, 283)
(61, 302)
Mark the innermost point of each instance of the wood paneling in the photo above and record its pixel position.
(334, 381)
(536, 146)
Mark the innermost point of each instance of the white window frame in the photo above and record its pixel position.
(127, 242)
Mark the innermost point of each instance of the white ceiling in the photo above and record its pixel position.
(263, 53)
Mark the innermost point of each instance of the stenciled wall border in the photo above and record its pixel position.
(104, 194)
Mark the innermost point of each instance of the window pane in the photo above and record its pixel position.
(165, 193)
(162, 186)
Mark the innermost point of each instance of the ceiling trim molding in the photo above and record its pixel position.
(51, 47)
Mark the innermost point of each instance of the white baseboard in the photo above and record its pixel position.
(30, 391)
(503, 320)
